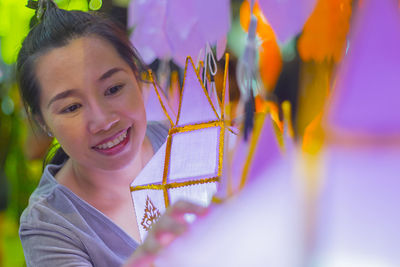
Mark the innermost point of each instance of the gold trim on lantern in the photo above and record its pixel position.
(174, 184)
(194, 127)
(159, 98)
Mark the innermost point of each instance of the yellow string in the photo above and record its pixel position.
(166, 168)
(174, 184)
(194, 127)
(221, 148)
(159, 98)
(287, 116)
(224, 86)
(253, 144)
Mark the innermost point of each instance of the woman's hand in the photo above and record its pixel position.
(170, 225)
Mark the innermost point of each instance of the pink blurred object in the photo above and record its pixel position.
(365, 98)
(358, 217)
(191, 23)
(261, 226)
(287, 17)
(147, 18)
(177, 28)
(357, 211)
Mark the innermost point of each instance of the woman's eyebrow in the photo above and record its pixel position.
(70, 92)
(109, 73)
(62, 95)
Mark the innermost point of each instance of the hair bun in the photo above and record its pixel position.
(41, 6)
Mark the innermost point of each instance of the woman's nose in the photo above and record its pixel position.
(101, 119)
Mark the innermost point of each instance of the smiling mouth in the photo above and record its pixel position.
(119, 139)
(113, 143)
(116, 145)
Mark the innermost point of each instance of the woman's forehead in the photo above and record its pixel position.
(86, 51)
(82, 62)
(82, 58)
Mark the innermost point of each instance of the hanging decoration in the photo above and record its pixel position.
(369, 74)
(325, 32)
(189, 165)
(176, 29)
(248, 76)
(146, 20)
(270, 60)
(315, 88)
(287, 18)
(356, 217)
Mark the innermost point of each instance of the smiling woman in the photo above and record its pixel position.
(90, 94)
(80, 81)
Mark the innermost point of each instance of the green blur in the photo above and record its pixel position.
(19, 175)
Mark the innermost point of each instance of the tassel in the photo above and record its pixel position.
(249, 110)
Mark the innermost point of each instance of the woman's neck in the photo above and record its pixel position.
(102, 188)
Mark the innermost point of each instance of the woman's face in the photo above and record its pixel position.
(92, 103)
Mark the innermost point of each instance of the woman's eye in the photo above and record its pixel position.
(113, 90)
(71, 108)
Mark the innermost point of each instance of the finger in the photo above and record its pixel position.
(166, 238)
(151, 245)
(163, 233)
(169, 224)
(182, 207)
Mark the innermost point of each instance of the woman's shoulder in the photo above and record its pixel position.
(44, 222)
(46, 185)
(44, 190)
(157, 133)
(66, 227)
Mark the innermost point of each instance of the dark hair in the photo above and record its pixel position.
(56, 29)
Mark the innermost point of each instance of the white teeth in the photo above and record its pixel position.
(110, 144)
(114, 142)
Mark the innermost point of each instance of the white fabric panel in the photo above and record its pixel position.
(194, 154)
(153, 171)
(200, 194)
(139, 200)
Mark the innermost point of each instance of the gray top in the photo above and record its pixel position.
(60, 229)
